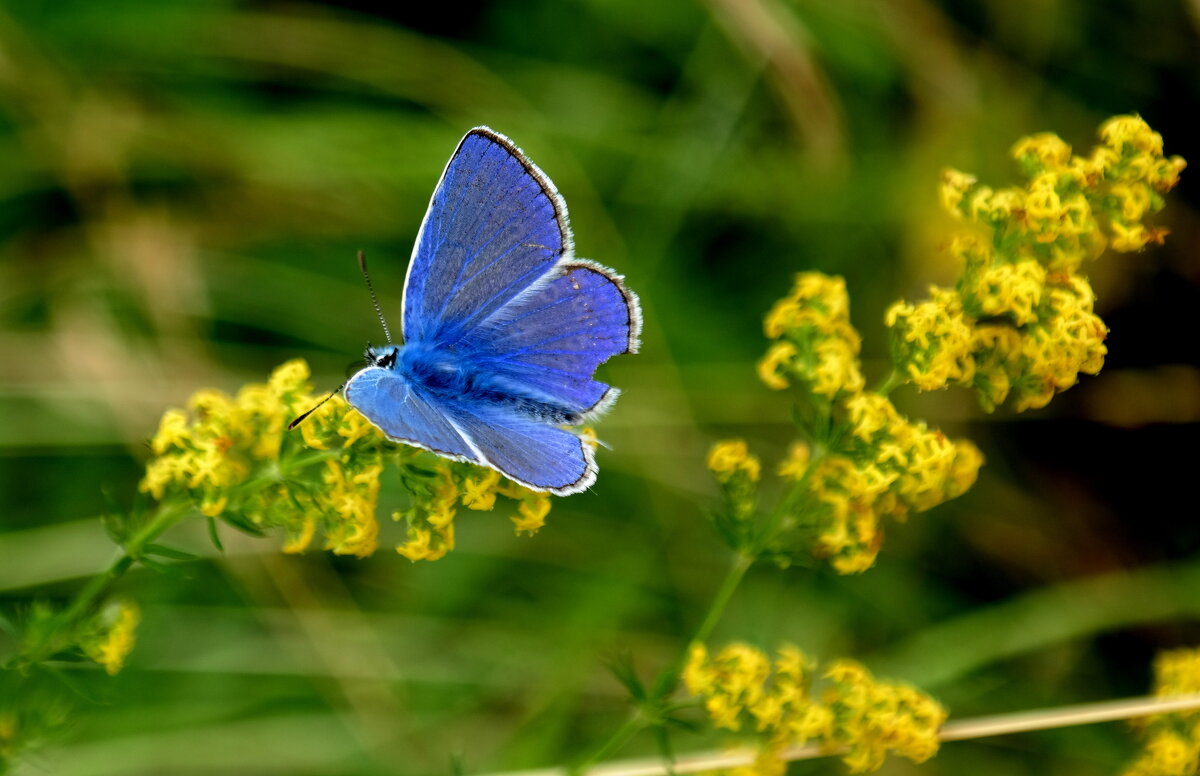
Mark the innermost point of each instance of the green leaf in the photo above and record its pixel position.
(68, 681)
(155, 565)
(164, 551)
(213, 534)
(621, 666)
(239, 521)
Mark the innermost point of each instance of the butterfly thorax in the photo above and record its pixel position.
(443, 371)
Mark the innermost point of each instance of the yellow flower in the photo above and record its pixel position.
(954, 187)
(697, 676)
(1043, 151)
(1011, 291)
(875, 717)
(231, 457)
(870, 414)
(419, 546)
(772, 368)
(836, 370)
(441, 509)
(113, 636)
(846, 512)
(931, 341)
(1172, 739)
(729, 457)
(587, 435)
(819, 347)
(1009, 334)
(795, 463)
(1177, 672)
(289, 377)
(964, 470)
(172, 432)
(1129, 237)
(479, 493)
(213, 505)
(355, 426)
(532, 513)
(300, 541)
(1131, 133)
(857, 713)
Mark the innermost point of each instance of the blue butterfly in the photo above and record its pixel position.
(503, 327)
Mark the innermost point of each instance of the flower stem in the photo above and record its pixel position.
(665, 684)
(53, 639)
(631, 727)
(737, 570)
(890, 383)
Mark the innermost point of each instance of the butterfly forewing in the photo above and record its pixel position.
(495, 225)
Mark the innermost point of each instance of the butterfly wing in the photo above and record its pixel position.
(405, 414)
(494, 226)
(535, 454)
(532, 453)
(550, 340)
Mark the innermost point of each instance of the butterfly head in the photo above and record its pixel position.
(382, 357)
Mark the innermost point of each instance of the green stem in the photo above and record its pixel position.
(98, 586)
(890, 383)
(632, 726)
(667, 680)
(787, 504)
(669, 677)
(741, 564)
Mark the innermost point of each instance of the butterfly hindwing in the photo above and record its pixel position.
(495, 225)
(535, 454)
(550, 340)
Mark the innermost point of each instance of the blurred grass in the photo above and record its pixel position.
(182, 190)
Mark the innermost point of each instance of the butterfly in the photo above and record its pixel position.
(503, 327)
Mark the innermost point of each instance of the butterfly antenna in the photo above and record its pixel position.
(362, 265)
(300, 419)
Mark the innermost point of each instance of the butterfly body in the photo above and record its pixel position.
(447, 374)
(504, 328)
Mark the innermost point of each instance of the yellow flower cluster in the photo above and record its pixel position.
(887, 466)
(816, 345)
(874, 462)
(231, 456)
(234, 460)
(853, 712)
(935, 341)
(730, 458)
(431, 518)
(736, 471)
(109, 638)
(875, 717)
(1172, 740)
(1019, 322)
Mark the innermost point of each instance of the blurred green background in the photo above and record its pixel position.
(183, 187)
